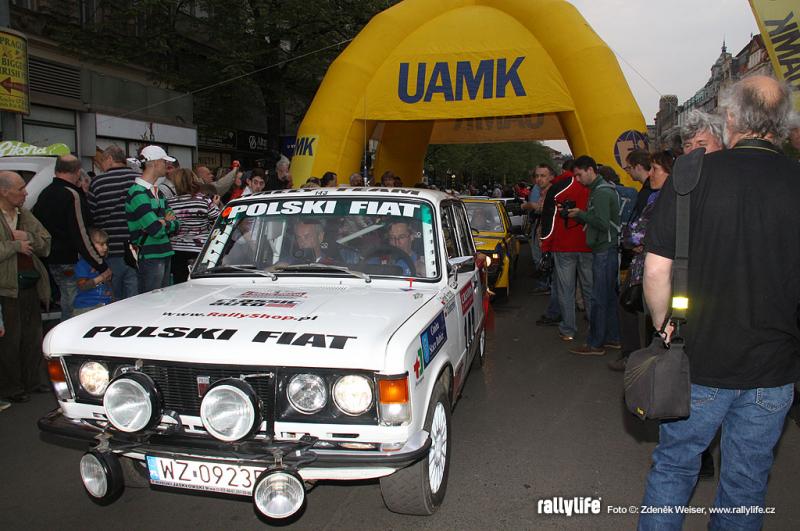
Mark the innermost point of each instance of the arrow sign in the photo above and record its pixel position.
(12, 85)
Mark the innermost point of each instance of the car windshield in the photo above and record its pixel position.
(484, 217)
(383, 237)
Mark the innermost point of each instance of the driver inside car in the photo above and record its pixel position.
(400, 237)
(484, 218)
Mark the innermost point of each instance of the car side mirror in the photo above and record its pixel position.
(460, 264)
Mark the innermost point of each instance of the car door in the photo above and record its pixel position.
(469, 292)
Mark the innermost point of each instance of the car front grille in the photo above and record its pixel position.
(178, 384)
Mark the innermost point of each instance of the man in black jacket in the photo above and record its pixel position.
(741, 332)
(62, 209)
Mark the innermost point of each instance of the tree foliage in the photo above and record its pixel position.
(189, 45)
(505, 162)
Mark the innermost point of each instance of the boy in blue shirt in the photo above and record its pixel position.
(94, 289)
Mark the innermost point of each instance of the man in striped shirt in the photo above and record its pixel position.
(107, 194)
(150, 222)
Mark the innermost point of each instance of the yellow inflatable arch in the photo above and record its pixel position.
(468, 71)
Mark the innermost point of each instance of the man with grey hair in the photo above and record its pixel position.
(741, 333)
(701, 130)
(107, 194)
(23, 286)
(282, 172)
(356, 180)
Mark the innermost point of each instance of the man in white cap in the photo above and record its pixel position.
(150, 222)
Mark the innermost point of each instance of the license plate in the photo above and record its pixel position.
(202, 475)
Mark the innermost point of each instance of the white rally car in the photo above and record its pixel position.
(324, 335)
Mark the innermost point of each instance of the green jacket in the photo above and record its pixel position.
(40, 241)
(601, 219)
(143, 212)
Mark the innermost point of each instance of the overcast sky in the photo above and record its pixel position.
(671, 43)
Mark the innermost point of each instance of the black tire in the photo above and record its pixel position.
(135, 473)
(411, 489)
(480, 356)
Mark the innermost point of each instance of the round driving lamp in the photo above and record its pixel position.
(94, 378)
(102, 477)
(230, 410)
(352, 394)
(307, 393)
(132, 402)
(279, 494)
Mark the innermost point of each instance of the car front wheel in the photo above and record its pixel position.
(420, 488)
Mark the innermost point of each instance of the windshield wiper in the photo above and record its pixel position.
(323, 267)
(247, 268)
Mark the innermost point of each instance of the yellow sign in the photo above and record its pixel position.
(305, 149)
(14, 72)
(779, 22)
(466, 71)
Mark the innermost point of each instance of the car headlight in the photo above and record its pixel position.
(93, 377)
(132, 402)
(229, 410)
(307, 393)
(352, 394)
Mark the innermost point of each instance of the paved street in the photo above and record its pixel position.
(536, 423)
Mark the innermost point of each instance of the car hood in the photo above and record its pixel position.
(270, 324)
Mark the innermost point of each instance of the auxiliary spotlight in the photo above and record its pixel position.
(279, 493)
(102, 476)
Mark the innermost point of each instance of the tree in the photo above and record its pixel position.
(505, 162)
(266, 58)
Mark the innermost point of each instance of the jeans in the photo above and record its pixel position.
(568, 265)
(553, 307)
(124, 279)
(64, 277)
(752, 422)
(603, 318)
(536, 253)
(153, 273)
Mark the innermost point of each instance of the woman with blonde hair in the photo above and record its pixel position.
(197, 214)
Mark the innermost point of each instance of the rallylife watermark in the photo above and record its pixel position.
(581, 505)
(569, 506)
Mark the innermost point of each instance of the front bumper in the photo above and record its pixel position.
(302, 454)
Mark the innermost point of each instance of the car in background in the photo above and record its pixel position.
(497, 238)
(36, 165)
(323, 335)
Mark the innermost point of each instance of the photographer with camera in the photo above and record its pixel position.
(565, 239)
(601, 217)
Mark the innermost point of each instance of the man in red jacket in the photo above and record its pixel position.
(567, 241)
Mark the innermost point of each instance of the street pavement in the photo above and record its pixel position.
(536, 422)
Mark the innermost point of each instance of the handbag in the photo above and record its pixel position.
(657, 380)
(632, 298)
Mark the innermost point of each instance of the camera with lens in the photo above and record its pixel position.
(564, 207)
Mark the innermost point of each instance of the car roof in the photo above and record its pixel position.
(434, 196)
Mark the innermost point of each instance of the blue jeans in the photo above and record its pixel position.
(603, 318)
(64, 277)
(752, 422)
(553, 305)
(568, 265)
(124, 279)
(154, 273)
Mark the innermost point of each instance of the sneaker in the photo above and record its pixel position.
(618, 364)
(4, 404)
(615, 345)
(586, 350)
(565, 337)
(548, 321)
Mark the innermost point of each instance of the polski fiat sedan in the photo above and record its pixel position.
(323, 335)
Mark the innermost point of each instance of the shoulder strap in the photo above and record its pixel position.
(685, 176)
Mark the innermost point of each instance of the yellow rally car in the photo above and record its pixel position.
(495, 237)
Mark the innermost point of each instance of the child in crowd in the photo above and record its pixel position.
(94, 290)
